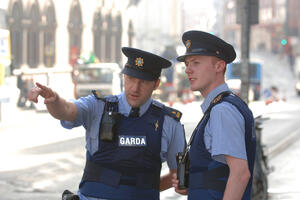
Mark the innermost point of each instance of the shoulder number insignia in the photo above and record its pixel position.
(96, 94)
(217, 99)
(220, 96)
(175, 114)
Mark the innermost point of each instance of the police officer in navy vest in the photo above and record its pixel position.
(222, 148)
(128, 136)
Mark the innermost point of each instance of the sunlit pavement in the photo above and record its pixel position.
(25, 128)
(284, 181)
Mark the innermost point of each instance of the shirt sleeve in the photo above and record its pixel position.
(227, 129)
(86, 106)
(173, 141)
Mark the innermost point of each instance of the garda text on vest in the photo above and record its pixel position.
(132, 141)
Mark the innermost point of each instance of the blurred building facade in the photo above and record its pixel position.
(158, 24)
(278, 26)
(53, 34)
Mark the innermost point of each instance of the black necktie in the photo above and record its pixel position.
(134, 112)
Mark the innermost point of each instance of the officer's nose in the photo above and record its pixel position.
(135, 86)
(187, 69)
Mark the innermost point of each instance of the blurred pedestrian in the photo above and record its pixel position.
(222, 147)
(272, 94)
(128, 135)
(291, 57)
(22, 84)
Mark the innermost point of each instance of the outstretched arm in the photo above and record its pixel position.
(58, 107)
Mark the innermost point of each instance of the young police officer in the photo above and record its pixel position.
(222, 150)
(128, 136)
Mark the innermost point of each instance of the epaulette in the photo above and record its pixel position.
(218, 99)
(97, 94)
(176, 114)
(157, 104)
(110, 98)
(220, 96)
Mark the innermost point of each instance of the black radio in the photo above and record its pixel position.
(183, 165)
(108, 126)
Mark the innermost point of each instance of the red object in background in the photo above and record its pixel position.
(73, 56)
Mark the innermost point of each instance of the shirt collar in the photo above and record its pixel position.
(221, 88)
(125, 108)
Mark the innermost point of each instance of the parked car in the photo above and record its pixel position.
(233, 79)
(104, 77)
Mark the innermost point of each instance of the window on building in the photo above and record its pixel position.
(2, 19)
(130, 34)
(33, 36)
(108, 38)
(98, 33)
(118, 38)
(49, 35)
(75, 27)
(16, 34)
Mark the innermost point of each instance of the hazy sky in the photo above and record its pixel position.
(199, 14)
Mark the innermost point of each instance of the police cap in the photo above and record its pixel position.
(143, 65)
(203, 43)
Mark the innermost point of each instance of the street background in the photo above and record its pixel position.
(50, 41)
(39, 159)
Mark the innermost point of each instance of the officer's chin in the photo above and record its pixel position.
(133, 103)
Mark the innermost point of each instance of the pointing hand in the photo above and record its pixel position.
(47, 93)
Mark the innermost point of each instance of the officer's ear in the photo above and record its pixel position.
(157, 82)
(220, 65)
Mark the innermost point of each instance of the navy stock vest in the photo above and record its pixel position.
(208, 177)
(129, 167)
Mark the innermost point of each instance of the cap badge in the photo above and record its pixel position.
(217, 52)
(139, 62)
(188, 44)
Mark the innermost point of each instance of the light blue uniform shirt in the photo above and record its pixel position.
(90, 112)
(224, 133)
(89, 116)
